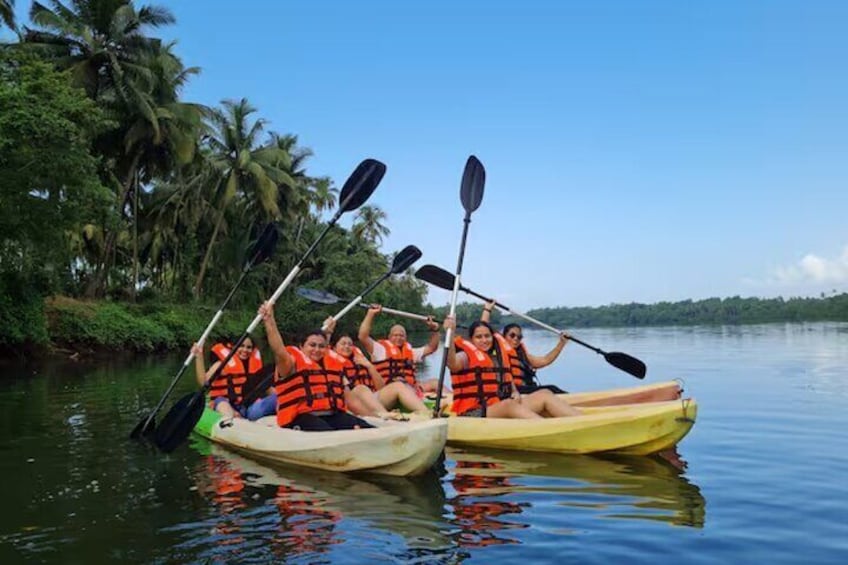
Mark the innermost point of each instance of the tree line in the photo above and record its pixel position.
(733, 310)
(114, 187)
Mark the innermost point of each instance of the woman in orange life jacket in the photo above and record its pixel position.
(525, 364)
(237, 379)
(394, 357)
(309, 381)
(368, 393)
(482, 379)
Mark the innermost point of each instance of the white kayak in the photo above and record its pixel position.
(392, 450)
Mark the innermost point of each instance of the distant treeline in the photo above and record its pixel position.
(734, 310)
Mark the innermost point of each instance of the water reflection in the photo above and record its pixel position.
(491, 484)
(283, 513)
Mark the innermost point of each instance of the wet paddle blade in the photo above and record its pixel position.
(264, 246)
(436, 276)
(142, 429)
(626, 363)
(315, 295)
(405, 258)
(473, 183)
(179, 421)
(360, 184)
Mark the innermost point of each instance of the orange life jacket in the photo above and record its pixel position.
(232, 379)
(483, 382)
(523, 373)
(313, 387)
(398, 364)
(358, 374)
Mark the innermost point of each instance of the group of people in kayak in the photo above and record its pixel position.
(317, 386)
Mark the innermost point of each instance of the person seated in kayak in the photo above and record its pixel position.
(368, 393)
(236, 380)
(394, 357)
(524, 364)
(482, 379)
(309, 382)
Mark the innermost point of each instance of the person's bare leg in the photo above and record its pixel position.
(511, 408)
(545, 402)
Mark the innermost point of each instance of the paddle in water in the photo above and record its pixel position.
(184, 415)
(260, 251)
(471, 195)
(443, 279)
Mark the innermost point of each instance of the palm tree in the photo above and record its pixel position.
(7, 13)
(102, 43)
(369, 225)
(150, 147)
(244, 171)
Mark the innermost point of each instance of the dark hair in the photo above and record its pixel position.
(336, 338)
(477, 324)
(509, 327)
(309, 334)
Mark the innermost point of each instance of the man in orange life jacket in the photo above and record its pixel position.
(309, 382)
(394, 357)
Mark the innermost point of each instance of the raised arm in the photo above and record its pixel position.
(486, 314)
(200, 372)
(456, 361)
(433, 344)
(539, 361)
(365, 328)
(282, 358)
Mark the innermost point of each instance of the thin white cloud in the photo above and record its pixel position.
(813, 269)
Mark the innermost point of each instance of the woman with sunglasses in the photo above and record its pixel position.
(524, 363)
(481, 376)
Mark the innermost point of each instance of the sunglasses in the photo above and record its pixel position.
(514, 335)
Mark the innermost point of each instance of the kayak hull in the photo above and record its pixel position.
(396, 450)
(637, 429)
(654, 392)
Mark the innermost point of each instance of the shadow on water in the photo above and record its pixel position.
(494, 488)
(261, 512)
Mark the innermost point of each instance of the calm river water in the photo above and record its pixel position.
(761, 477)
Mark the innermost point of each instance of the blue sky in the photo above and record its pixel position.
(635, 151)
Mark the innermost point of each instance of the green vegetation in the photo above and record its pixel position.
(733, 310)
(126, 211)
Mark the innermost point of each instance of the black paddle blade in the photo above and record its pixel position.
(360, 184)
(179, 421)
(436, 276)
(264, 246)
(626, 363)
(473, 182)
(405, 258)
(315, 295)
(143, 429)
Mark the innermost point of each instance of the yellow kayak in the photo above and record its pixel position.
(638, 429)
(654, 392)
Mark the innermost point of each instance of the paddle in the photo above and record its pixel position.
(443, 279)
(471, 195)
(184, 415)
(402, 261)
(261, 250)
(323, 297)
